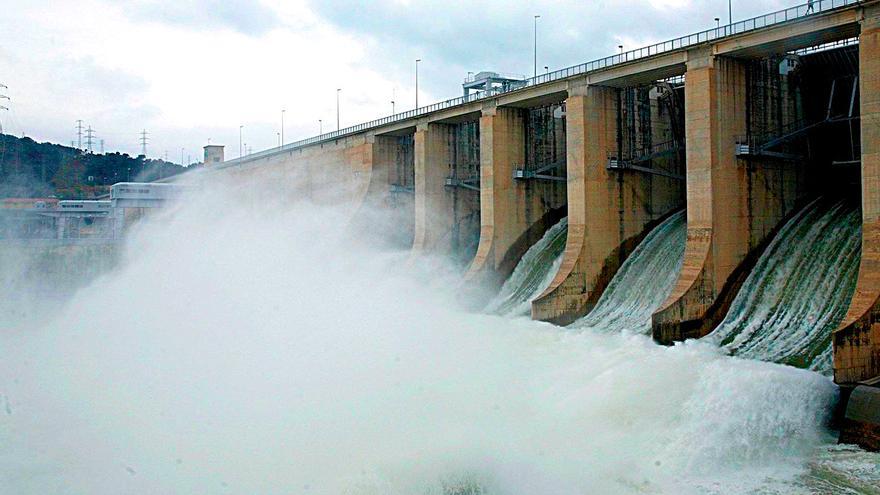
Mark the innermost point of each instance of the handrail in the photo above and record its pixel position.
(779, 17)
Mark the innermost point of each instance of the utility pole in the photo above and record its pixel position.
(79, 134)
(338, 126)
(3, 97)
(536, 44)
(2, 141)
(143, 142)
(90, 136)
(417, 81)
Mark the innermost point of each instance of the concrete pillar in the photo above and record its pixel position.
(607, 211)
(434, 207)
(502, 198)
(718, 237)
(60, 227)
(374, 220)
(857, 339)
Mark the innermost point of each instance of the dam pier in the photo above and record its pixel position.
(740, 127)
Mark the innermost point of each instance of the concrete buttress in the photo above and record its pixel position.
(857, 338)
(433, 205)
(608, 211)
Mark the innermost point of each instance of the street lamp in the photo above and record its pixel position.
(240, 146)
(281, 140)
(338, 90)
(536, 44)
(546, 69)
(320, 127)
(730, 12)
(417, 81)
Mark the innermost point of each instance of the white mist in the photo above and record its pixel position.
(247, 345)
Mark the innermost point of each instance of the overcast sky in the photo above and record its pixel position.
(190, 71)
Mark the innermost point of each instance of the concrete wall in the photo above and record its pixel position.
(445, 217)
(351, 174)
(733, 206)
(857, 339)
(514, 214)
(608, 211)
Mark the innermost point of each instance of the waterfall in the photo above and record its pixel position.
(643, 282)
(532, 274)
(798, 291)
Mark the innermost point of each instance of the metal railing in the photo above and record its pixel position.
(826, 46)
(779, 17)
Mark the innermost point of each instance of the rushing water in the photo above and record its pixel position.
(261, 351)
(798, 291)
(643, 282)
(532, 274)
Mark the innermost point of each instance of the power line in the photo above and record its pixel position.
(90, 137)
(143, 140)
(79, 134)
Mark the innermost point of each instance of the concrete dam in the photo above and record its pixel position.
(640, 274)
(722, 186)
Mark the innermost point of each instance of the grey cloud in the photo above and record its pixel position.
(245, 16)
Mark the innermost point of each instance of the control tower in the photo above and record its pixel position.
(488, 81)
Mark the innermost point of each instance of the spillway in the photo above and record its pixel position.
(798, 291)
(532, 274)
(643, 282)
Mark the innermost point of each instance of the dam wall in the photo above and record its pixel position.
(726, 124)
(609, 211)
(734, 204)
(857, 340)
(516, 212)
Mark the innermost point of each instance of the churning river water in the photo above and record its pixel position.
(261, 350)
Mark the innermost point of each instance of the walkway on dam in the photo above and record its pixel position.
(836, 20)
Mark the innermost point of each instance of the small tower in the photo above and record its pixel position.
(213, 154)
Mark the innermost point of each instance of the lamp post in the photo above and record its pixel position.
(240, 145)
(320, 127)
(730, 12)
(417, 81)
(281, 140)
(536, 44)
(338, 90)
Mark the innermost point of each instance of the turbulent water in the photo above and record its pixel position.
(643, 282)
(532, 274)
(798, 291)
(262, 351)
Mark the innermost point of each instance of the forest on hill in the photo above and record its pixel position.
(30, 169)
